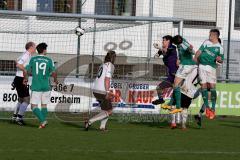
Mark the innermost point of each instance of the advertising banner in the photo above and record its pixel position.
(74, 95)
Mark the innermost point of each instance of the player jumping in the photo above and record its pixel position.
(170, 60)
(101, 91)
(189, 91)
(186, 67)
(41, 68)
(209, 54)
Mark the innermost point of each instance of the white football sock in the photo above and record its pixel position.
(103, 123)
(22, 108)
(178, 118)
(173, 118)
(184, 116)
(200, 114)
(16, 109)
(99, 116)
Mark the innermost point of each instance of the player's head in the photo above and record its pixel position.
(42, 48)
(30, 47)
(166, 41)
(110, 57)
(177, 40)
(214, 35)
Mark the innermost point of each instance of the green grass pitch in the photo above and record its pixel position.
(219, 139)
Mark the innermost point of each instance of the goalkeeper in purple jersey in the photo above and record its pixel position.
(169, 53)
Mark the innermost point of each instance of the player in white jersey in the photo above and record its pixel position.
(101, 91)
(189, 91)
(22, 90)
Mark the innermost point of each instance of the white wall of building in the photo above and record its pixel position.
(67, 44)
(88, 7)
(29, 5)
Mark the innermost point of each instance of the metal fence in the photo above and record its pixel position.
(198, 18)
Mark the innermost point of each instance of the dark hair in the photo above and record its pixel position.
(29, 44)
(219, 40)
(41, 47)
(168, 37)
(215, 31)
(177, 39)
(110, 57)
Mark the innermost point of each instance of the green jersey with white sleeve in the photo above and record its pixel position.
(185, 53)
(209, 52)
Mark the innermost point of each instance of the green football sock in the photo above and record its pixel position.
(37, 112)
(205, 97)
(177, 95)
(44, 112)
(213, 98)
(170, 103)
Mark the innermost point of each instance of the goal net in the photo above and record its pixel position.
(77, 57)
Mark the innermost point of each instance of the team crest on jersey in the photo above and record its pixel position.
(216, 50)
(210, 53)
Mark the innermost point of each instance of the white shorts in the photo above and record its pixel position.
(40, 97)
(188, 87)
(207, 74)
(184, 70)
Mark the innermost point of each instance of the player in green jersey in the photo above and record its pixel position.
(209, 55)
(41, 68)
(187, 65)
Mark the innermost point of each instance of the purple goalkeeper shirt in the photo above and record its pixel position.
(170, 60)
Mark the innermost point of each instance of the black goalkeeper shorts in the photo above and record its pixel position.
(22, 90)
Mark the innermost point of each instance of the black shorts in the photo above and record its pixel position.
(22, 90)
(164, 84)
(185, 101)
(105, 104)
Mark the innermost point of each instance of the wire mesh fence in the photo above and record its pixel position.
(78, 57)
(198, 19)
